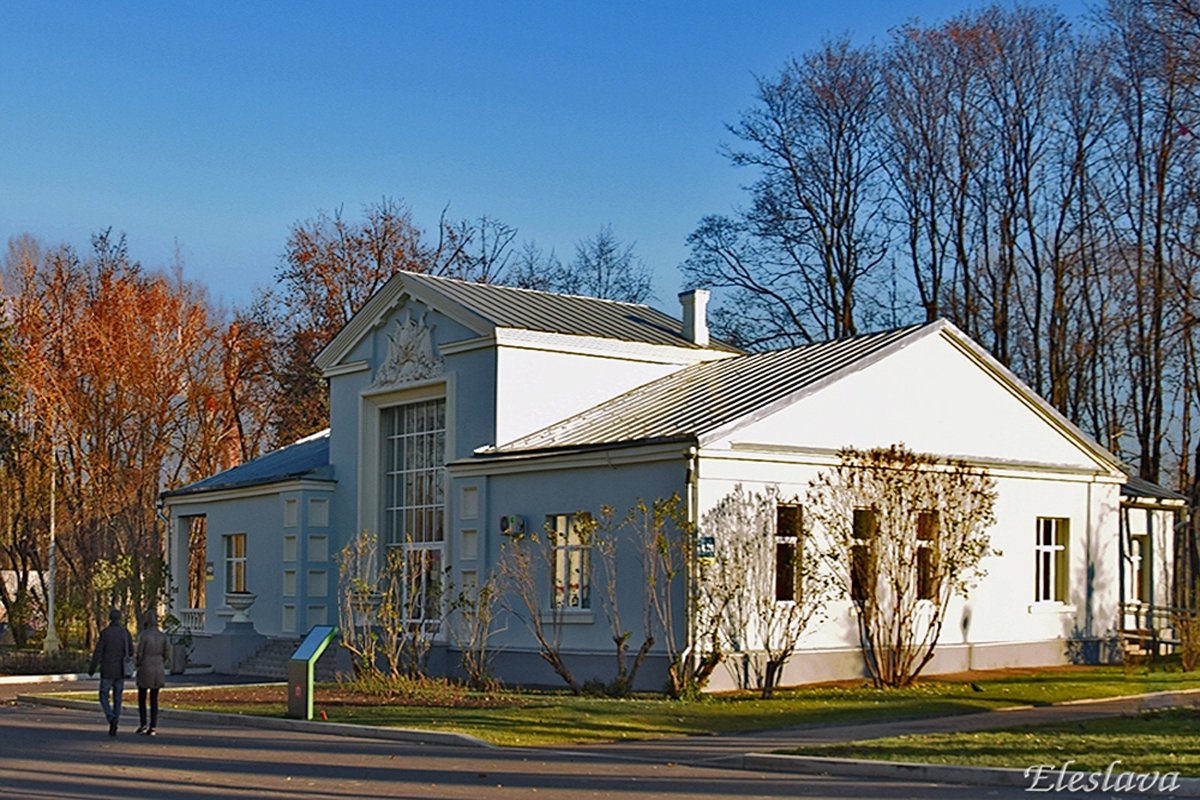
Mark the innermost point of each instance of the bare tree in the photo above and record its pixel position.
(905, 533)
(607, 268)
(815, 231)
(609, 545)
(524, 559)
(473, 624)
(680, 589)
(391, 612)
(772, 578)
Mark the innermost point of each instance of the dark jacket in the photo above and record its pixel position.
(153, 652)
(114, 645)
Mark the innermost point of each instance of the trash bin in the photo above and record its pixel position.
(300, 670)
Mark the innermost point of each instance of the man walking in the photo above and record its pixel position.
(114, 647)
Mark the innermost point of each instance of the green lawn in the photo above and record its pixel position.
(547, 718)
(1163, 741)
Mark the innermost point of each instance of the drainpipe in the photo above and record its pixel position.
(167, 550)
(1150, 553)
(693, 499)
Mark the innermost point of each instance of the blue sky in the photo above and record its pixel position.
(212, 127)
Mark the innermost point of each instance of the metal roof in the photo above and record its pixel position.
(307, 458)
(705, 396)
(1139, 487)
(528, 309)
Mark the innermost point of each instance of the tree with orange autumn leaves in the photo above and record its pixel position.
(129, 382)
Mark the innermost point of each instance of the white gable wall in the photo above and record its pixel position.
(929, 395)
(544, 379)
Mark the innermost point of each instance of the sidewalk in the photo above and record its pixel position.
(758, 750)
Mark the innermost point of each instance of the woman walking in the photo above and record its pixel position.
(153, 650)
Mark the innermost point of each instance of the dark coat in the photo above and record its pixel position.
(114, 645)
(153, 652)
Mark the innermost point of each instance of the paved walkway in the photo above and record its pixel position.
(745, 750)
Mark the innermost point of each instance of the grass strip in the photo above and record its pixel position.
(550, 718)
(1159, 741)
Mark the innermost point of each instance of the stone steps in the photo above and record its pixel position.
(271, 661)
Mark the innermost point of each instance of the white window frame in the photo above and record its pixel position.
(864, 521)
(1051, 560)
(235, 562)
(927, 582)
(413, 442)
(1139, 590)
(571, 564)
(787, 541)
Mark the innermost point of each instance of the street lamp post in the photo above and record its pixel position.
(50, 645)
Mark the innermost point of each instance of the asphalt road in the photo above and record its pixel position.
(55, 753)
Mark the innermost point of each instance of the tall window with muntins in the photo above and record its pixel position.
(414, 467)
(862, 568)
(1050, 554)
(1139, 559)
(928, 523)
(572, 555)
(235, 562)
(787, 552)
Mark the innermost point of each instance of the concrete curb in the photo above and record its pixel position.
(282, 724)
(938, 773)
(78, 676)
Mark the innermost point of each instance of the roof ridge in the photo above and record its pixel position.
(547, 292)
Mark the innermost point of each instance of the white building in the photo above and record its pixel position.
(454, 405)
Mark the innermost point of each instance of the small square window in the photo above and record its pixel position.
(289, 583)
(291, 552)
(291, 515)
(289, 618)
(318, 583)
(317, 615)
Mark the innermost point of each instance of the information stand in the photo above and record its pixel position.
(300, 670)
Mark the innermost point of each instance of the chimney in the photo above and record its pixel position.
(695, 319)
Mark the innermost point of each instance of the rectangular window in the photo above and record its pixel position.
(928, 523)
(317, 615)
(291, 549)
(414, 467)
(318, 583)
(289, 583)
(414, 472)
(862, 570)
(1050, 553)
(235, 562)
(289, 618)
(572, 553)
(290, 513)
(787, 552)
(1139, 556)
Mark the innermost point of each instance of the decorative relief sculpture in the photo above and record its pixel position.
(411, 354)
